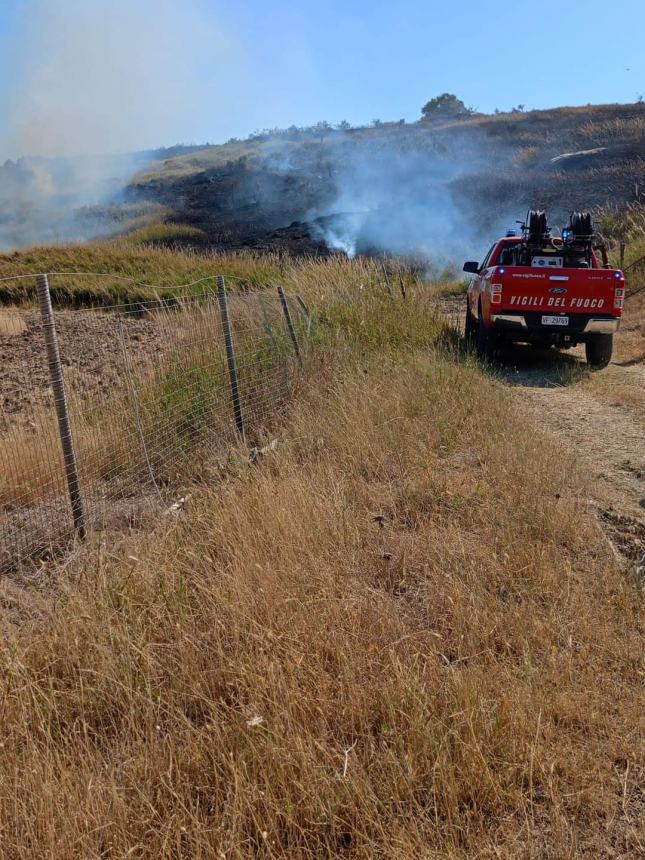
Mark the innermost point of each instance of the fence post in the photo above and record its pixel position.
(402, 285)
(305, 312)
(287, 316)
(388, 285)
(268, 328)
(230, 357)
(60, 403)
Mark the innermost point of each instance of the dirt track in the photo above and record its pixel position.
(600, 416)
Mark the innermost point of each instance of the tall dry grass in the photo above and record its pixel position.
(613, 129)
(128, 272)
(401, 636)
(11, 325)
(132, 272)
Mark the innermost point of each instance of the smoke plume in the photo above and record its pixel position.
(396, 203)
(401, 190)
(89, 78)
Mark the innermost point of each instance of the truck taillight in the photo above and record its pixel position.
(495, 294)
(619, 297)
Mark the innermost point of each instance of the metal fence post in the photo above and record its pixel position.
(60, 402)
(230, 357)
(287, 316)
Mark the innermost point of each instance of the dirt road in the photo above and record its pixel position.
(600, 416)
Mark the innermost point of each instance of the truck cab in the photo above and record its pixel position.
(546, 290)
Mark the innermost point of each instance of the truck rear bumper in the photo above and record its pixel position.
(602, 326)
(508, 321)
(528, 326)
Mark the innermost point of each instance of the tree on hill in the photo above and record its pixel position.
(445, 105)
(322, 129)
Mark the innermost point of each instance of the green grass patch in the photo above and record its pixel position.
(165, 234)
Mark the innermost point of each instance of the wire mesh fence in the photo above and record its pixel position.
(149, 395)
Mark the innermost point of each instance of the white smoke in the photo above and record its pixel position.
(404, 201)
(91, 77)
(97, 77)
(402, 194)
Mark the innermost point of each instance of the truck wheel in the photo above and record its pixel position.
(598, 350)
(485, 342)
(471, 327)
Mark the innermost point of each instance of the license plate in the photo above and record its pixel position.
(555, 320)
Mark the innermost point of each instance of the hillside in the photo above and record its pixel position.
(401, 187)
(435, 188)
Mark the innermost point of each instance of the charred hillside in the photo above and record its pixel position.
(401, 187)
(244, 202)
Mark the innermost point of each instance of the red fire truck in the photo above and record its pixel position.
(546, 290)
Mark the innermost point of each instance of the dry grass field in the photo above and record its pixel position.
(402, 635)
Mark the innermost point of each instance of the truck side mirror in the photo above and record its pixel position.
(472, 266)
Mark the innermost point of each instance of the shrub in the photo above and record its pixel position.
(445, 105)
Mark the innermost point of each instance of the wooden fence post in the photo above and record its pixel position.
(230, 357)
(305, 312)
(402, 285)
(287, 316)
(60, 403)
(388, 285)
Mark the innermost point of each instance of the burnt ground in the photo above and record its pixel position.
(246, 206)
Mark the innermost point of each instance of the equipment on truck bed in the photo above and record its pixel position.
(539, 248)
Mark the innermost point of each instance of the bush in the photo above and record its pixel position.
(445, 105)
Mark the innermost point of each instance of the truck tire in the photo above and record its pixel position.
(471, 327)
(485, 341)
(598, 350)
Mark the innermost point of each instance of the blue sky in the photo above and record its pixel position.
(235, 67)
